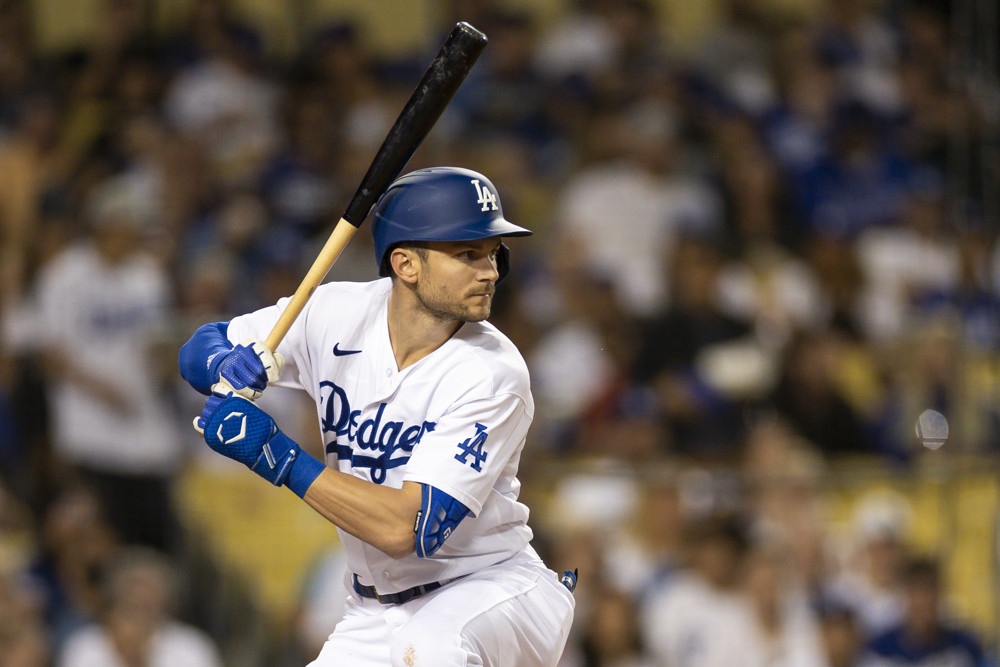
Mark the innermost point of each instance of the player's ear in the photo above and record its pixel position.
(405, 264)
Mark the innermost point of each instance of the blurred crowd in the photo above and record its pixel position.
(757, 255)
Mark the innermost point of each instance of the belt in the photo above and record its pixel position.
(393, 598)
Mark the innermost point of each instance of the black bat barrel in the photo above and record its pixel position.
(451, 65)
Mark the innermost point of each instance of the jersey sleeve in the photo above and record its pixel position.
(469, 448)
(258, 325)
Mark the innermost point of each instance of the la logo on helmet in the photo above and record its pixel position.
(486, 198)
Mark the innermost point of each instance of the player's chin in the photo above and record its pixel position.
(477, 311)
(477, 314)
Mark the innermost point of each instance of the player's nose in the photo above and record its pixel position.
(488, 270)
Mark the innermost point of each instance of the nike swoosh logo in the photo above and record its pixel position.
(337, 352)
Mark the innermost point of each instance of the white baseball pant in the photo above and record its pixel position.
(512, 614)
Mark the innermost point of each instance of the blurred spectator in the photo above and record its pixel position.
(647, 553)
(774, 291)
(937, 112)
(701, 618)
(810, 395)
(221, 100)
(579, 547)
(322, 600)
(702, 420)
(298, 183)
(924, 636)
(18, 63)
(784, 476)
(784, 629)
(843, 644)
(797, 129)
(870, 583)
(569, 366)
(582, 43)
(734, 57)
(634, 178)
(235, 230)
(972, 301)
(865, 50)
(765, 285)
(24, 638)
(863, 184)
(580, 374)
(137, 628)
(752, 185)
(503, 97)
(642, 60)
(612, 638)
(19, 464)
(77, 543)
(103, 308)
(905, 262)
(29, 167)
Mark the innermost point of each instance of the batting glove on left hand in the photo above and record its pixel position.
(249, 367)
(238, 429)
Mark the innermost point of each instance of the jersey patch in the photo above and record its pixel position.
(473, 447)
(437, 519)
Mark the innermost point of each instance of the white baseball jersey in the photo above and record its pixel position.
(106, 318)
(455, 420)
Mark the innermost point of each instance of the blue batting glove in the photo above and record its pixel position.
(249, 367)
(242, 368)
(238, 429)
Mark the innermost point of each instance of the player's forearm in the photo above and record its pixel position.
(379, 515)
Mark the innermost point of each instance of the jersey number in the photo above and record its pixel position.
(474, 447)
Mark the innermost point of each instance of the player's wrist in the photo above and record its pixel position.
(303, 473)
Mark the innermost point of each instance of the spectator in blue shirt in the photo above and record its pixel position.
(924, 637)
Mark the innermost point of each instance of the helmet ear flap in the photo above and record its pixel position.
(384, 267)
(503, 262)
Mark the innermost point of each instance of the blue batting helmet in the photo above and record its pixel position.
(440, 204)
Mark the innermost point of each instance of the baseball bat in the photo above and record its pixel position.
(438, 85)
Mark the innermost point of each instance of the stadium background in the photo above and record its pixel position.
(766, 242)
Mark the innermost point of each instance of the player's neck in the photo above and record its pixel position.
(413, 331)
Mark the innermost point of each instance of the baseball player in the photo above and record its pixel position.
(424, 408)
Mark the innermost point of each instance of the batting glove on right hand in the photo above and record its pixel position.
(239, 430)
(249, 367)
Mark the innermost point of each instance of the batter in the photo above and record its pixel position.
(424, 408)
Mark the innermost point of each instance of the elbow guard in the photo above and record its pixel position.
(200, 357)
(437, 519)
